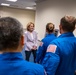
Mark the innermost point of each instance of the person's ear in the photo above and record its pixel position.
(46, 30)
(60, 28)
(22, 40)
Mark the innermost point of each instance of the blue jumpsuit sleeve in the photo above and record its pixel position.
(35, 69)
(51, 62)
(40, 52)
(34, 73)
(75, 60)
(29, 73)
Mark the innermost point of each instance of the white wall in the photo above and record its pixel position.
(52, 11)
(24, 16)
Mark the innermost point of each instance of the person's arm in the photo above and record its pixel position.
(38, 70)
(36, 40)
(40, 52)
(75, 60)
(26, 42)
(51, 60)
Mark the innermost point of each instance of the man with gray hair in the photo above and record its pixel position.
(60, 58)
(11, 44)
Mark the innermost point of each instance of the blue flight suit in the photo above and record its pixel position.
(63, 60)
(13, 64)
(42, 49)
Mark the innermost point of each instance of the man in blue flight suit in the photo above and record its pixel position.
(11, 44)
(45, 42)
(60, 58)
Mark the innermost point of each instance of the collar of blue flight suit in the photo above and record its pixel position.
(11, 56)
(52, 34)
(68, 34)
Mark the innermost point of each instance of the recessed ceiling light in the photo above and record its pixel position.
(4, 4)
(12, 0)
(29, 8)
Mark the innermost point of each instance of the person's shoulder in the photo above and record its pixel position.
(52, 36)
(57, 41)
(36, 69)
(46, 39)
(35, 32)
(35, 66)
(26, 32)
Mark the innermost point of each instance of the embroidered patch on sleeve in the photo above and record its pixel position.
(51, 48)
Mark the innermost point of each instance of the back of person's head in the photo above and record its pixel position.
(10, 33)
(50, 27)
(68, 23)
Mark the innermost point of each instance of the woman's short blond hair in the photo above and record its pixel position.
(28, 25)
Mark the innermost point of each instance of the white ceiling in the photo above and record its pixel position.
(21, 3)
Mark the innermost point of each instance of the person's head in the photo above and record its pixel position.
(67, 24)
(50, 28)
(30, 26)
(11, 35)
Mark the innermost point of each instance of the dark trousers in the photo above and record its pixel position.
(75, 72)
(28, 53)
